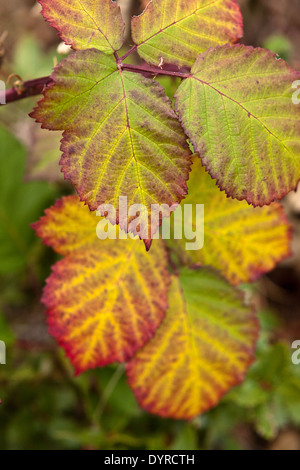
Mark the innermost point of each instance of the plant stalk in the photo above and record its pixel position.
(37, 86)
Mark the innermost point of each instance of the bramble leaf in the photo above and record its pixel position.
(122, 137)
(106, 298)
(203, 347)
(240, 241)
(85, 24)
(178, 31)
(238, 112)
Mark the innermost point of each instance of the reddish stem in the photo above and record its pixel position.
(25, 89)
(151, 70)
(37, 86)
(133, 48)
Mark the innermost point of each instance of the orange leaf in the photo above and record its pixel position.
(106, 298)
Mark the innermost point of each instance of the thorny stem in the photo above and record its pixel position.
(37, 86)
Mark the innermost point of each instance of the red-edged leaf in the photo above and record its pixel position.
(204, 347)
(105, 298)
(177, 31)
(238, 111)
(122, 137)
(85, 24)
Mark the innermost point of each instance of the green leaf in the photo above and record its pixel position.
(122, 137)
(20, 204)
(178, 30)
(237, 109)
(30, 51)
(266, 424)
(280, 45)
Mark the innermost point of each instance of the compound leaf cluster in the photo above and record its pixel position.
(106, 300)
(187, 337)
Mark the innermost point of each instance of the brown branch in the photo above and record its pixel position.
(25, 89)
(37, 86)
(151, 70)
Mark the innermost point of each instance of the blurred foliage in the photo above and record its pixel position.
(28, 51)
(20, 204)
(269, 398)
(42, 146)
(45, 407)
(279, 45)
(170, 85)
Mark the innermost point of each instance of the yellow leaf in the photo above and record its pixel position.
(202, 349)
(241, 241)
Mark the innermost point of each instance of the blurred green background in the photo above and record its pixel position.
(43, 405)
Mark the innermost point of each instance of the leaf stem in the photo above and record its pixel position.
(107, 393)
(132, 49)
(25, 89)
(152, 70)
(37, 86)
